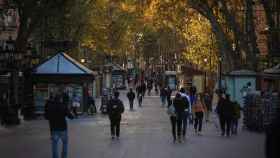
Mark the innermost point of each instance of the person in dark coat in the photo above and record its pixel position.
(55, 112)
(131, 96)
(150, 86)
(272, 142)
(207, 99)
(91, 105)
(163, 95)
(180, 107)
(139, 95)
(115, 110)
(143, 89)
(168, 95)
(225, 111)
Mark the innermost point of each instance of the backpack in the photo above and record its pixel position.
(116, 108)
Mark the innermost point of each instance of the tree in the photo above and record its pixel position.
(227, 25)
(31, 13)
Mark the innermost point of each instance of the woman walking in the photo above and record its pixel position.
(199, 108)
(173, 119)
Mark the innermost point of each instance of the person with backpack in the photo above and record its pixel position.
(55, 112)
(199, 109)
(115, 110)
(131, 96)
(187, 102)
(180, 107)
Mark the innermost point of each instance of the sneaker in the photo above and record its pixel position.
(200, 133)
(113, 137)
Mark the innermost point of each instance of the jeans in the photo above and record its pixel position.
(140, 98)
(185, 122)
(131, 104)
(55, 137)
(198, 121)
(163, 100)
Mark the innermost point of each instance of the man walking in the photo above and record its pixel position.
(187, 110)
(208, 103)
(163, 96)
(180, 107)
(225, 111)
(131, 96)
(56, 111)
(115, 110)
(168, 95)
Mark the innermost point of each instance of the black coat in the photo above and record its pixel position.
(225, 108)
(272, 139)
(131, 95)
(115, 109)
(180, 106)
(56, 112)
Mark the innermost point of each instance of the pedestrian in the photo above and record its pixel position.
(173, 119)
(131, 96)
(150, 86)
(139, 94)
(187, 102)
(163, 95)
(115, 110)
(91, 105)
(180, 107)
(199, 109)
(168, 95)
(143, 89)
(55, 112)
(225, 113)
(75, 104)
(208, 103)
(236, 117)
(272, 142)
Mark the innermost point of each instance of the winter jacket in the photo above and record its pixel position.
(130, 95)
(115, 108)
(225, 108)
(179, 106)
(199, 107)
(56, 112)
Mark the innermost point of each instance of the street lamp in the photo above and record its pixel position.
(220, 74)
(83, 60)
(205, 75)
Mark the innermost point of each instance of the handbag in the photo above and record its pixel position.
(171, 110)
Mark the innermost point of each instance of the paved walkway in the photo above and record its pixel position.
(145, 133)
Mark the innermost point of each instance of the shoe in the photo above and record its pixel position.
(113, 137)
(118, 137)
(174, 141)
(199, 133)
(222, 134)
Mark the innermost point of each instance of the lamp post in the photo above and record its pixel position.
(205, 75)
(220, 74)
